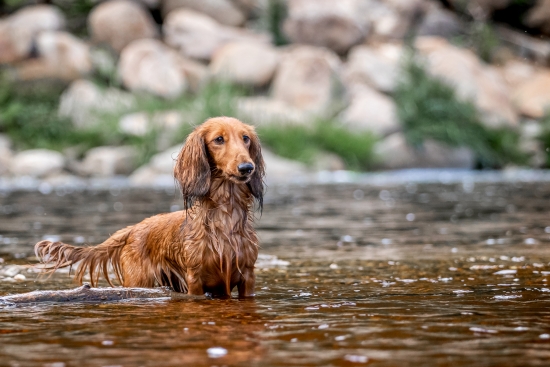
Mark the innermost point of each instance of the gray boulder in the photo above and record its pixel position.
(324, 23)
(308, 78)
(18, 32)
(119, 22)
(147, 65)
(60, 55)
(395, 153)
(37, 163)
(248, 63)
(110, 161)
(198, 36)
(83, 102)
(371, 111)
(223, 11)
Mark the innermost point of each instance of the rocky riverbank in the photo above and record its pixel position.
(300, 60)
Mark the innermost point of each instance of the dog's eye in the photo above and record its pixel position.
(246, 138)
(219, 140)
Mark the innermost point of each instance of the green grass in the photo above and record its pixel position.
(430, 109)
(28, 115)
(303, 143)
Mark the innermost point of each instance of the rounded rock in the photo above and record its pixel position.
(119, 22)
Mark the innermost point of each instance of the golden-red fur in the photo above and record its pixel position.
(210, 246)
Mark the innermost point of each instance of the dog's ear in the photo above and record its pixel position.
(256, 183)
(192, 169)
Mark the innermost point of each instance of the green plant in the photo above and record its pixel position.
(545, 137)
(76, 12)
(484, 40)
(303, 143)
(28, 114)
(270, 19)
(430, 109)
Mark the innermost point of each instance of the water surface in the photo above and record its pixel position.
(417, 274)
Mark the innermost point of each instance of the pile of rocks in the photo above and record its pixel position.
(346, 54)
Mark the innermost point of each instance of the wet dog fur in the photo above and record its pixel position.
(210, 246)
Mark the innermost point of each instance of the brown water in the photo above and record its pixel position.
(415, 275)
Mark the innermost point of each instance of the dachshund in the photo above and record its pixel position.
(210, 246)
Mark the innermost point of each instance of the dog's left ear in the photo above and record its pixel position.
(256, 183)
(192, 169)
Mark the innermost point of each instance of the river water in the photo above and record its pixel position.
(403, 275)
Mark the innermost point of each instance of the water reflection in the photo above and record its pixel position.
(442, 275)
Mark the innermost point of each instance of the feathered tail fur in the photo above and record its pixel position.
(94, 259)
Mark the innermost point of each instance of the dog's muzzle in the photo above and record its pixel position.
(245, 169)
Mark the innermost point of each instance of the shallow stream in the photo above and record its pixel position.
(405, 275)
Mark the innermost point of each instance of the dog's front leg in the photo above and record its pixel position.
(194, 283)
(246, 285)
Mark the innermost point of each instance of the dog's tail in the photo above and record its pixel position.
(93, 259)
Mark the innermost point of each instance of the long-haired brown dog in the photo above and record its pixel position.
(210, 246)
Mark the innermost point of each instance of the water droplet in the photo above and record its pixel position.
(482, 330)
(333, 266)
(358, 194)
(216, 352)
(531, 241)
(506, 272)
(356, 359)
(386, 241)
(411, 188)
(51, 237)
(410, 217)
(347, 238)
(107, 342)
(45, 188)
(384, 195)
(544, 336)
(340, 338)
(323, 326)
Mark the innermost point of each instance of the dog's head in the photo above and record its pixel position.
(225, 147)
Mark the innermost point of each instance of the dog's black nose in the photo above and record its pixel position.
(245, 168)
